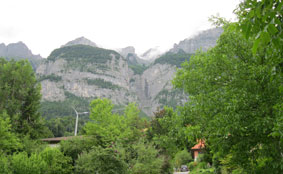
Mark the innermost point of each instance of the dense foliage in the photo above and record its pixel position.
(172, 98)
(83, 53)
(138, 69)
(234, 102)
(64, 126)
(173, 58)
(101, 83)
(64, 108)
(20, 98)
(51, 77)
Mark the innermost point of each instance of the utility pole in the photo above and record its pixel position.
(77, 118)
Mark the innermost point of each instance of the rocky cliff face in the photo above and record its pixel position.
(131, 56)
(152, 54)
(203, 40)
(82, 78)
(87, 72)
(101, 77)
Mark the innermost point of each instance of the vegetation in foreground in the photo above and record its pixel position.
(235, 106)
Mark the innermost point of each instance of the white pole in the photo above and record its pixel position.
(77, 118)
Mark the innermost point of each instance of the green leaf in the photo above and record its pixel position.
(265, 37)
(258, 14)
(272, 29)
(255, 46)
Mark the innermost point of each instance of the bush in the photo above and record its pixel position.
(4, 164)
(56, 161)
(101, 160)
(74, 147)
(192, 165)
(181, 158)
(22, 164)
(147, 159)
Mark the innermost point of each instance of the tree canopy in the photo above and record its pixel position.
(233, 99)
(20, 97)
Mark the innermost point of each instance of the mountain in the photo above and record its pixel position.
(18, 51)
(151, 54)
(127, 50)
(131, 56)
(80, 41)
(204, 40)
(74, 75)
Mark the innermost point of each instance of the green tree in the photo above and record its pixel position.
(181, 158)
(4, 164)
(56, 162)
(147, 159)
(8, 140)
(111, 127)
(262, 21)
(101, 160)
(22, 163)
(167, 131)
(234, 94)
(105, 125)
(20, 97)
(77, 145)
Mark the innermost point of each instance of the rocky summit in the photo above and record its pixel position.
(19, 51)
(203, 40)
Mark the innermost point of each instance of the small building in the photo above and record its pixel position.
(54, 142)
(198, 149)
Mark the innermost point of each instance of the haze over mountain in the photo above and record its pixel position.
(203, 40)
(130, 54)
(152, 53)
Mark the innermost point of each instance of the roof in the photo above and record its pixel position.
(199, 146)
(58, 139)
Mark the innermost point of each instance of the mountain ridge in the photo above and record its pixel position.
(76, 73)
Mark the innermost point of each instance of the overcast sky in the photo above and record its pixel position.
(44, 25)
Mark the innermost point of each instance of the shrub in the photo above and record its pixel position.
(4, 164)
(74, 147)
(56, 161)
(182, 157)
(101, 160)
(22, 164)
(147, 159)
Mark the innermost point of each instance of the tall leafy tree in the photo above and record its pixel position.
(20, 97)
(111, 127)
(262, 21)
(234, 97)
